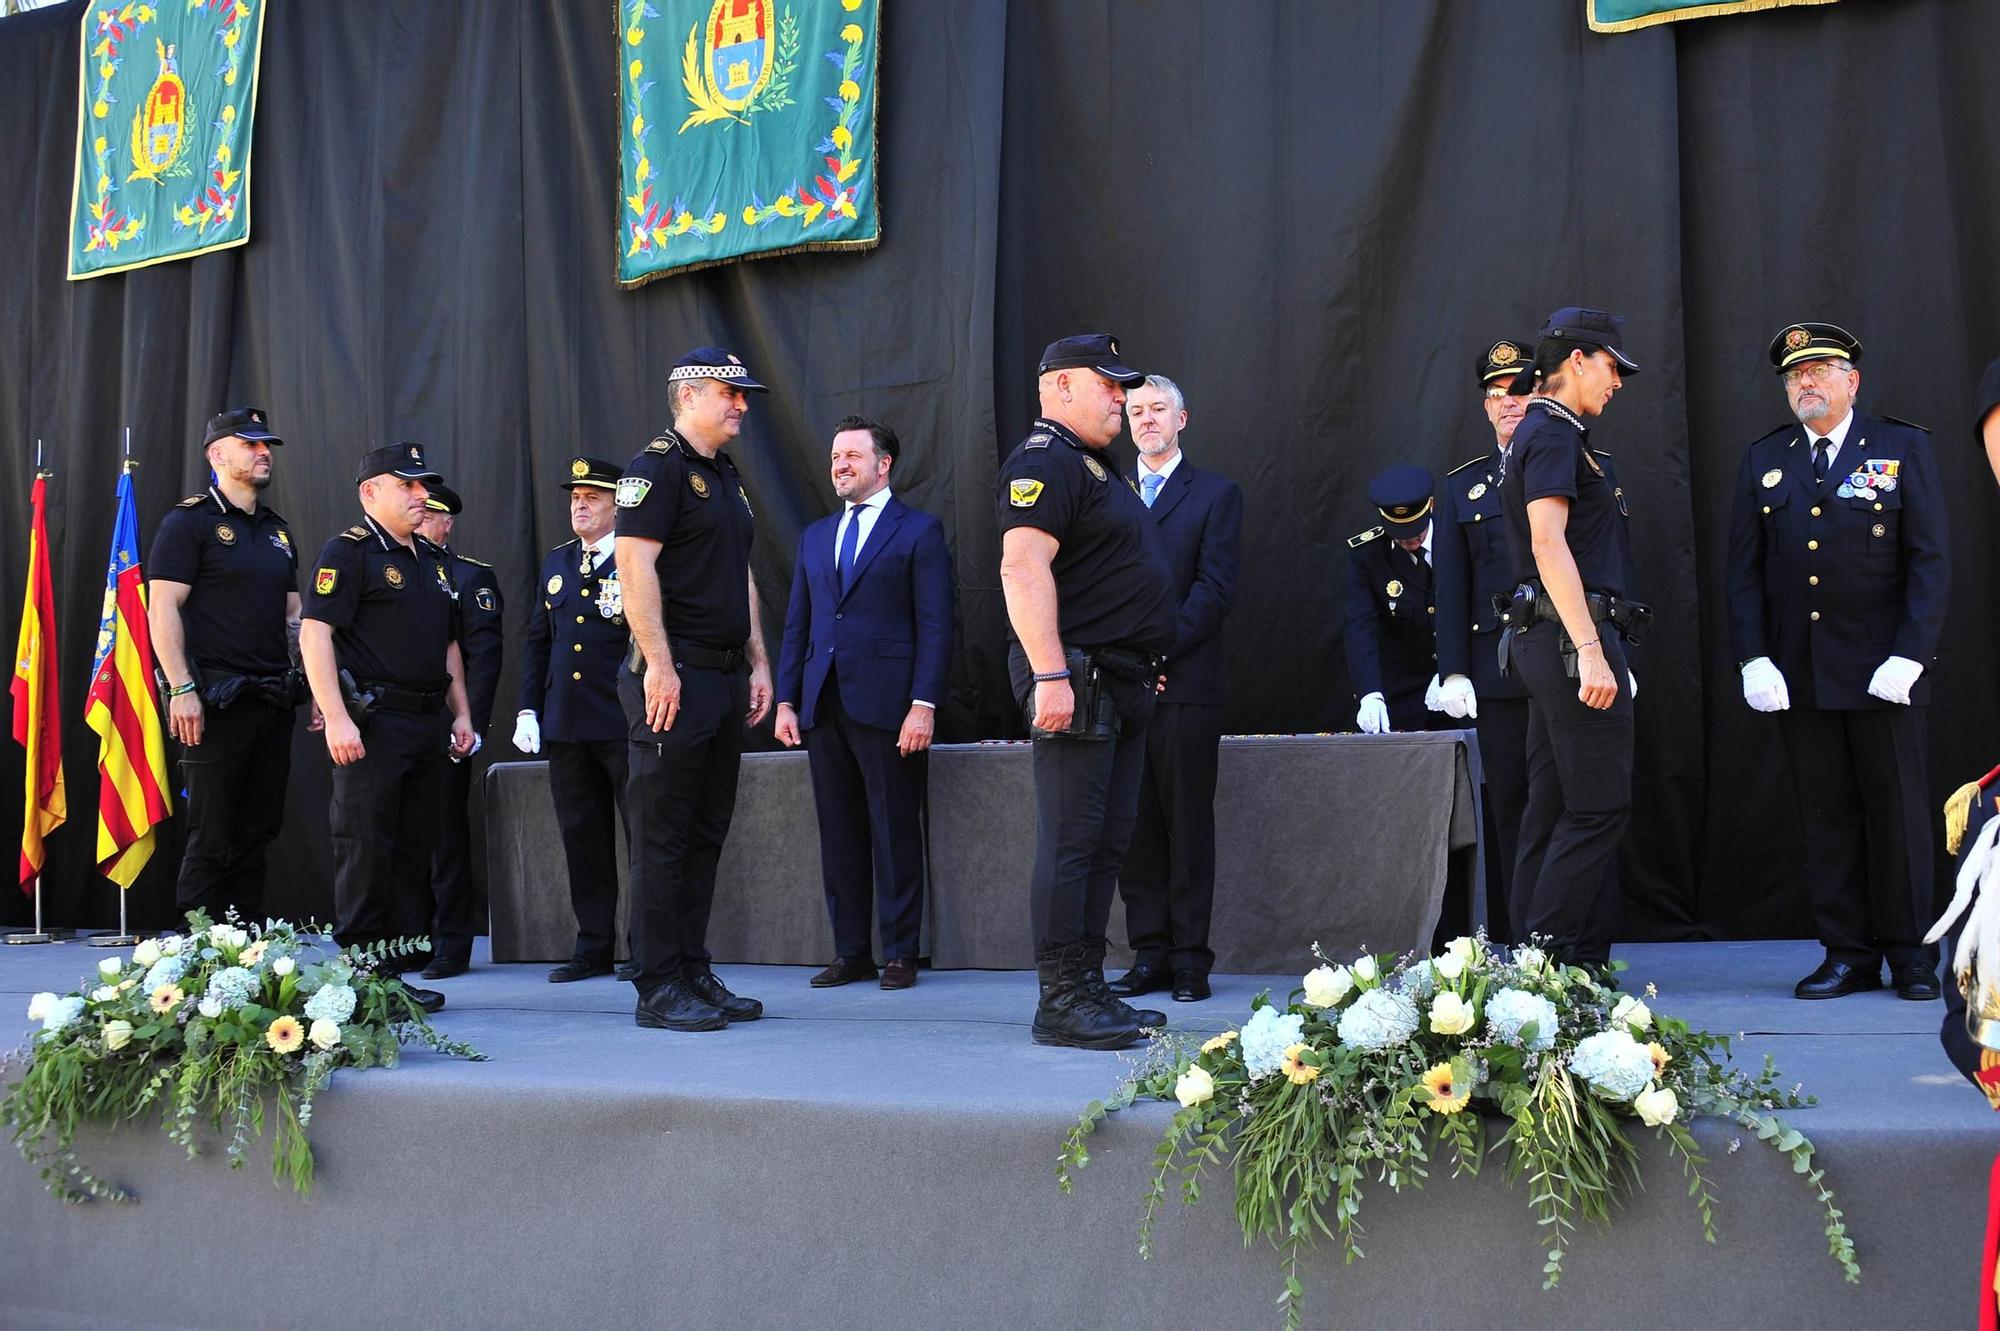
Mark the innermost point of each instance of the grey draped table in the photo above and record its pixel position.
(1347, 840)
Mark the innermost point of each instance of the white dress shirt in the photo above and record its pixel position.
(1834, 438)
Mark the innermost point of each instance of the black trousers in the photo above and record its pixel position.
(680, 794)
(1862, 790)
(384, 816)
(1503, 755)
(453, 893)
(1168, 879)
(235, 780)
(1086, 802)
(587, 781)
(870, 801)
(1579, 765)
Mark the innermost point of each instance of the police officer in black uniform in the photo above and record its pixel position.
(1838, 567)
(477, 590)
(1391, 615)
(380, 645)
(223, 608)
(1565, 637)
(1473, 568)
(1091, 605)
(569, 709)
(696, 678)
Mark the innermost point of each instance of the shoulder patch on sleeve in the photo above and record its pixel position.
(193, 501)
(1469, 462)
(1039, 439)
(631, 491)
(355, 533)
(1362, 538)
(1024, 492)
(1898, 420)
(324, 580)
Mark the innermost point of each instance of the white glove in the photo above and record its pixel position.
(1894, 678)
(1632, 684)
(1457, 698)
(1432, 703)
(527, 733)
(1764, 687)
(1373, 718)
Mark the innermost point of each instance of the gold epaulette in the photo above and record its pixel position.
(193, 501)
(663, 444)
(1360, 539)
(356, 533)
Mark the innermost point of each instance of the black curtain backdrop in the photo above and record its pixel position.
(1312, 216)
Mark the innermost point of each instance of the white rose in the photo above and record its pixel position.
(1530, 959)
(1325, 986)
(104, 993)
(110, 966)
(39, 1005)
(326, 1034)
(1364, 969)
(1464, 948)
(1656, 1105)
(1450, 1015)
(282, 966)
(1632, 1014)
(1194, 1087)
(146, 953)
(210, 1008)
(1449, 966)
(218, 934)
(117, 1034)
(170, 946)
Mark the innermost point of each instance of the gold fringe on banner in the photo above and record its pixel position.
(1686, 11)
(1958, 810)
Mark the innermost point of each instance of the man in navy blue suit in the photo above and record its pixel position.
(1838, 568)
(1168, 881)
(866, 651)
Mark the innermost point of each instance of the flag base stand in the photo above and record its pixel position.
(122, 938)
(16, 939)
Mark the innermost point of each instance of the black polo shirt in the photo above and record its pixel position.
(240, 567)
(391, 607)
(696, 508)
(1113, 585)
(1551, 456)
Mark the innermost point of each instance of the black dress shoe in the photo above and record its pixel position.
(1190, 986)
(430, 1000)
(675, 1007)
(627, 971)
(1915, 981)
(578, 970)
(443, 968)
(844, 970)
(1141, 979)
(1837, 979)
(715, 993)
(900, 973)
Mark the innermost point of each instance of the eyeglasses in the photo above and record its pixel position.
(1818, 372)
(1500, 392)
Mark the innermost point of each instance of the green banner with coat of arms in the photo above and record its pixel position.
(1631, 15)
(165, 98)
(746, 127)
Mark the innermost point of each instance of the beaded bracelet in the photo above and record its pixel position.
(1049, 676)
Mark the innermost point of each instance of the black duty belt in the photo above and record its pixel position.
(1529, 604)
(1124, 662)
(396, 698)
(706, 658)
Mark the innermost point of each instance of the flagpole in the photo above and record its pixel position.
(39, 935)
(124, 936)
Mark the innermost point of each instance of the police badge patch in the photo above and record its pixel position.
(393, 576)
(483, 598)
(1023, 493)
(555, 583)
(1772, 477)
(1394, 587)
(282, 539)
(1477, 492)
(225, 533)
(1096, 467)
(632, 490)
(697, 484)
(323, 581)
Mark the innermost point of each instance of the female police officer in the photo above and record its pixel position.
(1564, 527)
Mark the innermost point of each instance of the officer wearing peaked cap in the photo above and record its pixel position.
(223, 606)
(569, 709)
(380, 644)
(1838, 568)
(1391, 615)
(476, 588)
(1091, 606)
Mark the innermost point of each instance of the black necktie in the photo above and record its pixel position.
(1821, 459)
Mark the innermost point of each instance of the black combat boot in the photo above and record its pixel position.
(1149, 1019)
(1068, 1014)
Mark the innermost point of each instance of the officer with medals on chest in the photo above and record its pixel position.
(380, 645)
(477, 591)
(1391, 617)
(1568, 623)
(1838, 568)
(569, 710)
(223, 608)
(696, 678)
(1091, 605)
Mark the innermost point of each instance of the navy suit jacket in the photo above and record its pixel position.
(890, 631)
(569, 664)
(1200, 520)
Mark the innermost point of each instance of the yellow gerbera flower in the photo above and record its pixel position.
(1660, 1057)
(285, 1034)
(1446, 1096)
(165, 997)
(252, 954)
(1296, 1068)
(1216, 1044)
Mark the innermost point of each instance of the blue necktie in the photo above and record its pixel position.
(1149, 487)
(850, 543)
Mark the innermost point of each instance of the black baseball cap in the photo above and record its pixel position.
(593, 472)
(1596, 327)
(404, 460)
(714, 363)
(244, 422)
(1090, 351)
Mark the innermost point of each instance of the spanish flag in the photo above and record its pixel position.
(123, 710)
(36, 722)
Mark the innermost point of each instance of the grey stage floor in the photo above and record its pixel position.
(858, 1152)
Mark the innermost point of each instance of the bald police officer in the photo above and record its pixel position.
(223, 606)
(380, 644)
(477, 590)
(1838, 568)
(1391, 632)
(1090, 602)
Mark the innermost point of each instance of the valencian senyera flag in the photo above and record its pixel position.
(746, 127)
(123, 710)
(165, 98)
(1629, 15)
(37, 724)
